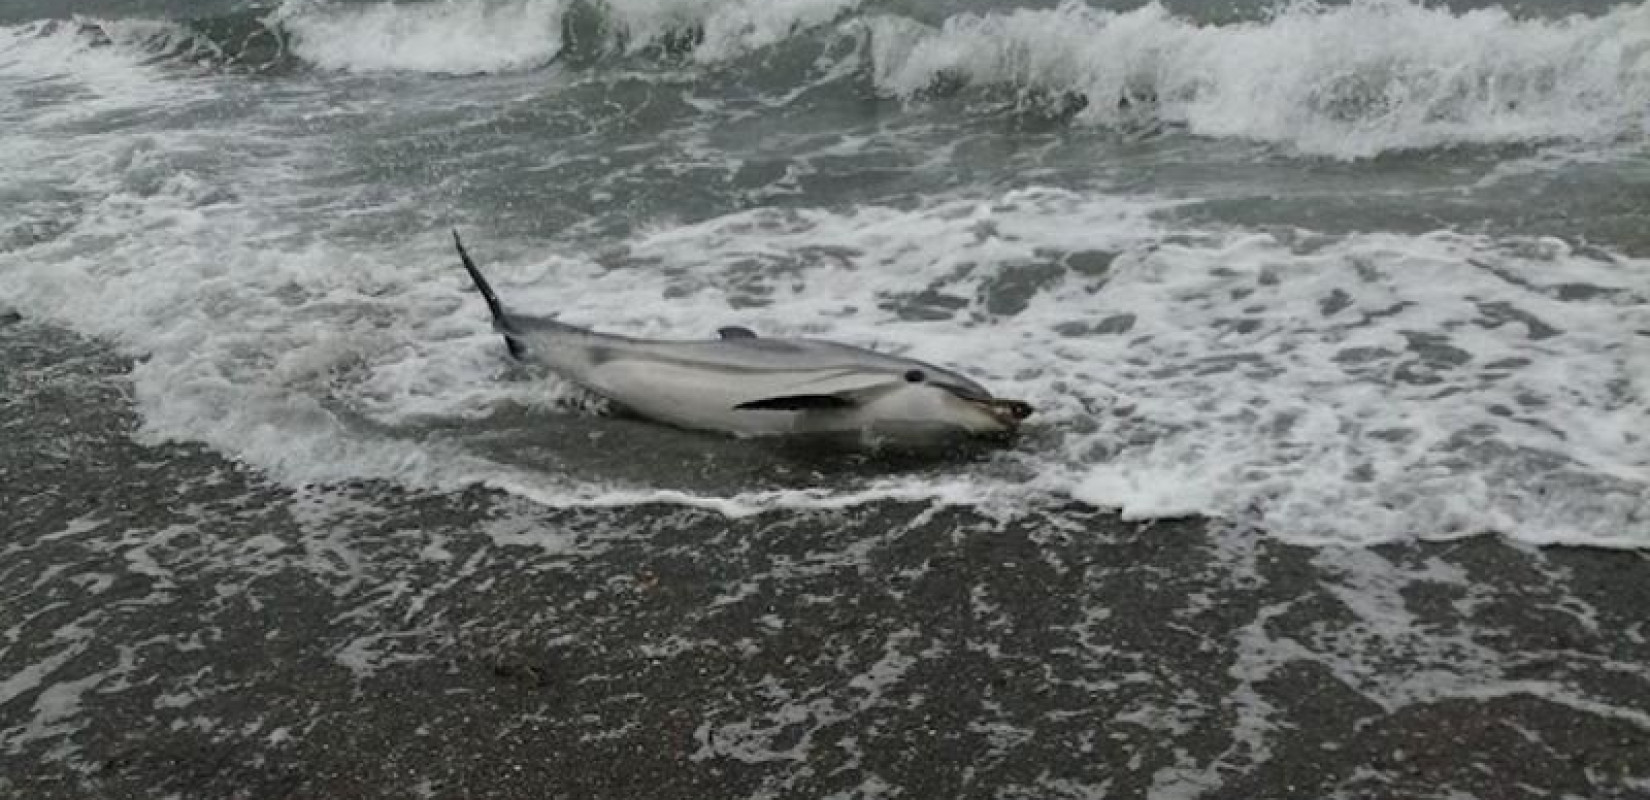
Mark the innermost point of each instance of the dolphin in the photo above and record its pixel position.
(747, 385)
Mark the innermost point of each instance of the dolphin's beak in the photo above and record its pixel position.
(1009, 412)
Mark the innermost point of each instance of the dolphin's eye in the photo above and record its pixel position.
(915, 376)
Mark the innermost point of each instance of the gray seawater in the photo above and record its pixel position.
(1333, 314)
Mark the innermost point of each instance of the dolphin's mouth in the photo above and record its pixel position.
(1009, 412)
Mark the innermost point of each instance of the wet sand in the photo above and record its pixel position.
(178, 626)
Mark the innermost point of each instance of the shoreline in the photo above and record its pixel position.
(181, 627)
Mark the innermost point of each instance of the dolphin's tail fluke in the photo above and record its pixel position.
(501, 320)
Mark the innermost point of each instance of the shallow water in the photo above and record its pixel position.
(1349, 274)
(1344, 284)
(179, 626)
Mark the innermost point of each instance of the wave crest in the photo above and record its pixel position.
(514, 35)
(453, 38)
(1347, 81)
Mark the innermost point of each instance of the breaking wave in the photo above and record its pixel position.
(457, 38)
(1346, 81)
(526, 34)
(1350, 81)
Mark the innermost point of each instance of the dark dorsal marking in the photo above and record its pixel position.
(798, 402)
(736, 332)
(915, 376)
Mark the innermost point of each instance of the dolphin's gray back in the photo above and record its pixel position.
(756, 355)
(578, 352)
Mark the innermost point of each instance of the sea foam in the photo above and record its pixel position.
(516, 35)
(452, 38)
(1350, 389)
(1346, 81)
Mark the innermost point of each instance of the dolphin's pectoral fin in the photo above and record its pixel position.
(799, 402)
(736, 332)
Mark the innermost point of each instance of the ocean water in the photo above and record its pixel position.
(1340, 280)
(1346, 273)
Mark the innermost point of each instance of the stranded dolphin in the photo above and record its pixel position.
(751, 386)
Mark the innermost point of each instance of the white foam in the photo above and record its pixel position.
(515, 35)
(1343, 80)
(1325, 451)
(451, 37)
(1265, 409)
(729, 27)
(90, 66)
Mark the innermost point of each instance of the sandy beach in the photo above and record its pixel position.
(178, 627)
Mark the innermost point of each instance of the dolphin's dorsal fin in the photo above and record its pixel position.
(501, 319)
(736, 332)
(799, 402)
